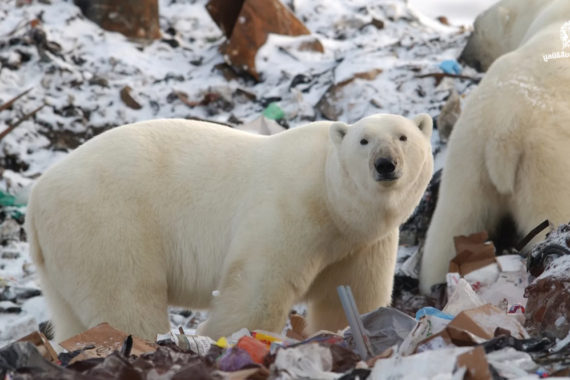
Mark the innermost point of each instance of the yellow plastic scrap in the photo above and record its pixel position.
(266, 337)
(222, 342)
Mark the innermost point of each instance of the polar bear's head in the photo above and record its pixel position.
(382, 151)
(499, 30)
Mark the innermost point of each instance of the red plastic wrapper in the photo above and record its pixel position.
(256, 349)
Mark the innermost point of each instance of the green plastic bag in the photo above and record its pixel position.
(7, 200)
(273, 112)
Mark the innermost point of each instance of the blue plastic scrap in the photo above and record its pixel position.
(428, 310)
(450, 66)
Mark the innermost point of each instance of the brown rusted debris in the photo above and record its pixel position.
(247, 24)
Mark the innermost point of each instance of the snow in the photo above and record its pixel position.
(81, 85)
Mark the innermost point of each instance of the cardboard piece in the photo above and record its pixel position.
(476, 363)
(449, 337)
(42, 344)
(484, 320)
(298, 325)
(473, 252)
(105, 340)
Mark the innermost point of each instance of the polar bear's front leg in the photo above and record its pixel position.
(252, 295)
(370, 274)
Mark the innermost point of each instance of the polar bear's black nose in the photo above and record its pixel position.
(385, 165)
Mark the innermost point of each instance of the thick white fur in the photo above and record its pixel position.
(165, 212)
(509, 153)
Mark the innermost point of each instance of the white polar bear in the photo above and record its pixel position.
(508, 154)
(165, 212)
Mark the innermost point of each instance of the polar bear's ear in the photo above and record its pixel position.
(424, 123)
(337, 131)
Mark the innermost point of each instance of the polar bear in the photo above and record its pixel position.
(165, 212)
(508, 154)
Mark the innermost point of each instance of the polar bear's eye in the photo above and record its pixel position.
(363, 142)
(403, 138)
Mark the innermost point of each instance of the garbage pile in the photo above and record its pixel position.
(487, 329)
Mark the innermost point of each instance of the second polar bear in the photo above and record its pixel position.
(508, 154)
(165, 212)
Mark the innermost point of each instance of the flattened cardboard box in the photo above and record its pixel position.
(473, 252)
(105, 340)
(42, 344)
(450, 336)
(476, 363)
(484, 320)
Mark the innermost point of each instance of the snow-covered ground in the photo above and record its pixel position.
(81, 80)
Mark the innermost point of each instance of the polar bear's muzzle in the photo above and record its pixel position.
(386, 169)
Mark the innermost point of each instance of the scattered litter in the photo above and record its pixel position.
(24, 356)
(385, 327)
(473, 252)
(475, 363)
(273, 112)
(425, 365)
(484, 320)
(42, 344)
(462, 298)
(256, 349)
(549, 294)
(359, 334)
(104, 340)
(555, 245)
(309, 361)
(433, 312)
(512, 364)
(450, 66)
(235, 359)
